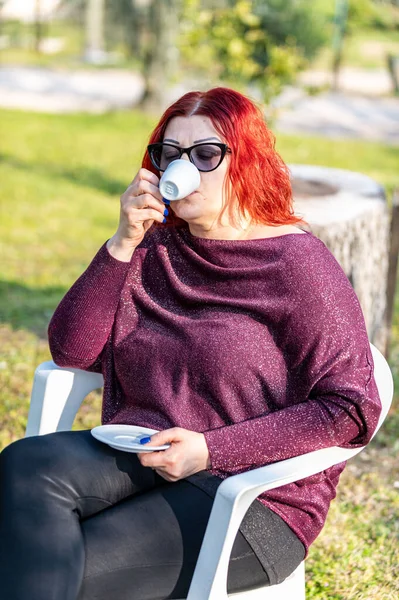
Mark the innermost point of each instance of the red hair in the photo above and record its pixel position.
(257, 174)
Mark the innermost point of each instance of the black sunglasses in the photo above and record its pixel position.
(206, 157)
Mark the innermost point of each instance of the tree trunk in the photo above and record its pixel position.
(349, 213)
(392, 266)
(38, 25)
(135, 29)
(341, 15)
(94, 50)
(161, 55)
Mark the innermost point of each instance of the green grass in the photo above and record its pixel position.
(59, 199)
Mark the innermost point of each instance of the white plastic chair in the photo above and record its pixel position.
(56, 397)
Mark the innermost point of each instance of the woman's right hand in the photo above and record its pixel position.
(140, 205)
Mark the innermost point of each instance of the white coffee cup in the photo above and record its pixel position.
(180, 179)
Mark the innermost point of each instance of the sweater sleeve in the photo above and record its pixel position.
(82, 322)
(326, 345)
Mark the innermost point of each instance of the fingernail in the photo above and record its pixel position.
(167, 202)
(145, 440)
(166, 212)
(164, 221)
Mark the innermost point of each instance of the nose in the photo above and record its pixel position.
(184, 156)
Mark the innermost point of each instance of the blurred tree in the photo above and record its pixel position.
(74, 11)
(361, 13)
(149, 28)
(90, 15)
(299, 21)
(383, 14)
(256, 43)
(150, 31)
(39, 26)
(160, 54)
(340, 27)
(94, 47)
(352, 15)
(72, 8)
(128, 20)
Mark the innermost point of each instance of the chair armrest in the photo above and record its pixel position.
(233, 498)
(237, 492)
(57, 394)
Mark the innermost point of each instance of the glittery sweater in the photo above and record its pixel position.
(259, 344)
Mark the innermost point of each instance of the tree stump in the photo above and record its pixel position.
(349, 213)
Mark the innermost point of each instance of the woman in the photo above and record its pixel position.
(220, 323)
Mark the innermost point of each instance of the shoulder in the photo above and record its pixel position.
(310, 257)
(324, 309)
(317, 279)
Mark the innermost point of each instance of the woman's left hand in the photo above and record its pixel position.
(188, 453)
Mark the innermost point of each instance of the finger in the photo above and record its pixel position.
(146, 175)
(144, 201)
(146, 187)
(148, 201)
(144, 214)
(152, 459)
(167, 436)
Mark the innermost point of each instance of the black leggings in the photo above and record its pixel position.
(82, 521)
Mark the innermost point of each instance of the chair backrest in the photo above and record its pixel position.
(384, 381)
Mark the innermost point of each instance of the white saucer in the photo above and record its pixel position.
(126, 437)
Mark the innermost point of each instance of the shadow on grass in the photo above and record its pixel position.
(80, 175)
(24, 307)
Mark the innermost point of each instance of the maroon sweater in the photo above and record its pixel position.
(259, 344)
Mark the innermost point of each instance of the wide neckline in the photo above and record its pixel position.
(200, 240)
